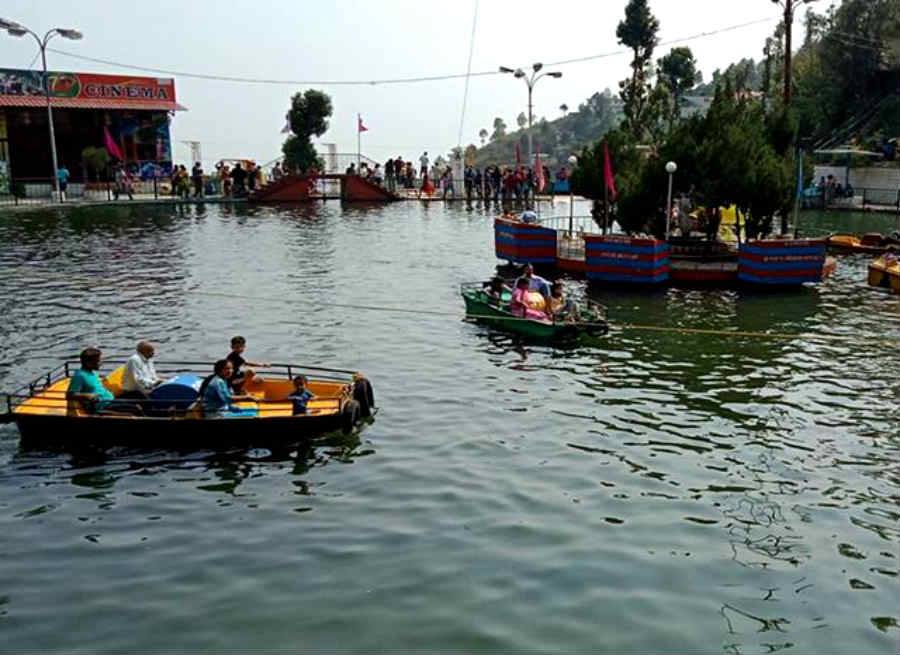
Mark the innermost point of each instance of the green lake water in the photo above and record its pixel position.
(642, 492)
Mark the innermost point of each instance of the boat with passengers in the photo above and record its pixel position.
(483, 306)
(172, 414)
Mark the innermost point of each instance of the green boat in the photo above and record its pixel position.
(482, 308)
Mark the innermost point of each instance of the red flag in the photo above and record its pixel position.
(111, 146)
(518, 155)
(539, 171)
(359, 126)
(608, 177)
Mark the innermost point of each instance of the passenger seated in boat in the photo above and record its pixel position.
(240, 376)
(301, 395)
(561, 307)
(85, 386)
(495, 289)
(523, 305)
(535, 282)
(216, 394)
(529, 217)
(140, 376)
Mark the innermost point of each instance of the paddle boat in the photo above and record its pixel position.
(872, 243)
(173, 415)
(885, 272)
(483, 308)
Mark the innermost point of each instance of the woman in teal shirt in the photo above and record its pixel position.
(86, 386)
(217, 397)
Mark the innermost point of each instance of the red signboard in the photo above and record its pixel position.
(94, 87)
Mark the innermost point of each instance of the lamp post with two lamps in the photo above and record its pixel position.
(530, 81)
(15, 29)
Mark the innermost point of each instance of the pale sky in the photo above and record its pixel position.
(365, 40)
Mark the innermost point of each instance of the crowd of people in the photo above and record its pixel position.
(500, 184)
(216, 397)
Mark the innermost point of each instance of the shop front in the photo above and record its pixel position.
(99, 121)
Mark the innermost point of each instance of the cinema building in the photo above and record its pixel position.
(126, 116)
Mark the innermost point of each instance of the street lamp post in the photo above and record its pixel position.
(530, 82)
(573, 161)
(671, 167)
(15, 29)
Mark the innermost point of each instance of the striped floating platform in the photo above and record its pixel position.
(628, 260)
(782, 262)
(524, 243)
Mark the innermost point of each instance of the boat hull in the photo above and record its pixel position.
(52, 432)
(885, 273)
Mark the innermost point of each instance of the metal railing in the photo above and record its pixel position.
(42, 191)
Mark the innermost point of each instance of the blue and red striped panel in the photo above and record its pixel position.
(524, 243)
(626, 260)
(779, 262)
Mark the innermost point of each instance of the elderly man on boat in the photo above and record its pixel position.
(140, 377)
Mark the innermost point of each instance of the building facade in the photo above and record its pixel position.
(126, 116)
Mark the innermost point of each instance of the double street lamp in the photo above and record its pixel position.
(15, 29)
(530, 81)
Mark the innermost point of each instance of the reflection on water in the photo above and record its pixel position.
(643, 492)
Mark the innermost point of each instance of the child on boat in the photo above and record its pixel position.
(561, 308)
(240, 378)
(521, 303)
(217, 398)
(301, 395)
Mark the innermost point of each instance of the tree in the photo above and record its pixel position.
(95, 160)
(483, 135)
(564, 108)
(637, 32)
(678, 73)
(499, 129)
(307, 117)
(521, 120)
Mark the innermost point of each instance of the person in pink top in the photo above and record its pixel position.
(519, 304)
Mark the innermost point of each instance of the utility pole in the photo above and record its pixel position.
(789, 6)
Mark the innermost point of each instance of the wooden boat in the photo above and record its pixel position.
(872, 243)
(885, 272)
(482, 308)
(172, 417)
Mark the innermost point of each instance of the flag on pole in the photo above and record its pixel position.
(359, 124)
(287, 123)
(539, 171)
(608, 178)
(518, 155)
(111, 146)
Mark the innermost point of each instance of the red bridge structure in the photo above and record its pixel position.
(300, 188)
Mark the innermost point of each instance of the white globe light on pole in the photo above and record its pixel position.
(671, 167)
(573, 161)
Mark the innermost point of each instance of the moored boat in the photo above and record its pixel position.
(872, 243)
(885, 272)
(173, 417)
(480, 307)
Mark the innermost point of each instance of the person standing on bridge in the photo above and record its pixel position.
(423, 163)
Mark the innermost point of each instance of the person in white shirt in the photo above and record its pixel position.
(423, 163)
(140, 375)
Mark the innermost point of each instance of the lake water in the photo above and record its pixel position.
(643, 492)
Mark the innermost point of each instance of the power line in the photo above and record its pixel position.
(462, 118)
(375, 82)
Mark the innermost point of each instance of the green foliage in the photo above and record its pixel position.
(637, 32)
(95, 160)
(677, 72)
(307, 117)
(557, 139)
(499, 129)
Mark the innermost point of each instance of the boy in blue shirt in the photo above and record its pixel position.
(301, 395)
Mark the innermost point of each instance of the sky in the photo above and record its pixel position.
(341, 40)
